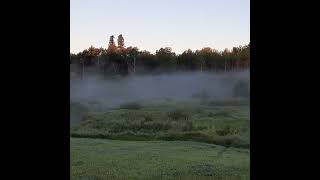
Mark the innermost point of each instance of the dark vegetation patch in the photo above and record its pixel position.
(179, 114)
(226, 127)
(90, 178)
(206, 169)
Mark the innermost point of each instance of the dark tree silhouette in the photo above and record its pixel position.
(121, 60)
(120, 41)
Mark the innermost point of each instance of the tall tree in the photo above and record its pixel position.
(112, 45)
(131, 55)
(124, 60)
(166, 58)
(147, 60)
(226, 58)
(188, 60)
(120, 41)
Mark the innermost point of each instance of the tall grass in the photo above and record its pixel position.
(134, 122)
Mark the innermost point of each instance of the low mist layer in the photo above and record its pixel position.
(112, 92)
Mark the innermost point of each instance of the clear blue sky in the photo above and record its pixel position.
(152, 24)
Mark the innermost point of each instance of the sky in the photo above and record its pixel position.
(153, 24)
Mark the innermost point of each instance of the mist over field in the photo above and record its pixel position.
(178, 86)
(153, 96)
(110, 93)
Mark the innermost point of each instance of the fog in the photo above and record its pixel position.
(112, 92)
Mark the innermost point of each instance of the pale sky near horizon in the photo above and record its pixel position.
(152, 24)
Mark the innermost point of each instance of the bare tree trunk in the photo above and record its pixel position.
(225, 66)
(215, 67)
(82, 69)
(99, 64)
(114, 68)
(237, 66)
(231, 65)
(134, 64)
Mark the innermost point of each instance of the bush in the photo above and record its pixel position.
(223, 131)
(227, 130)
(187, 126)
(178, 114)
(148, 118)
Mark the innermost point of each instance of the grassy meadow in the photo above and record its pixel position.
(163, 140)
(97, 159)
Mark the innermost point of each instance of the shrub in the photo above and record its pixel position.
(178, 114)
(210, 114)
(227, 130)
(223, 131)
(187, 126)
(148, 118)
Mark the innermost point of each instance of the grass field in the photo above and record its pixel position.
(212, 122)
(163, 140)
(116, 159)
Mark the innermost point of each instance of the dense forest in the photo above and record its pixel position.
(125, 60)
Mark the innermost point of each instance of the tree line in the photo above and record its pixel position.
(123, 60)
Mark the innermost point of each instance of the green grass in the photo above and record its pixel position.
(198, 139)
(217, 122)
(139, 160)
